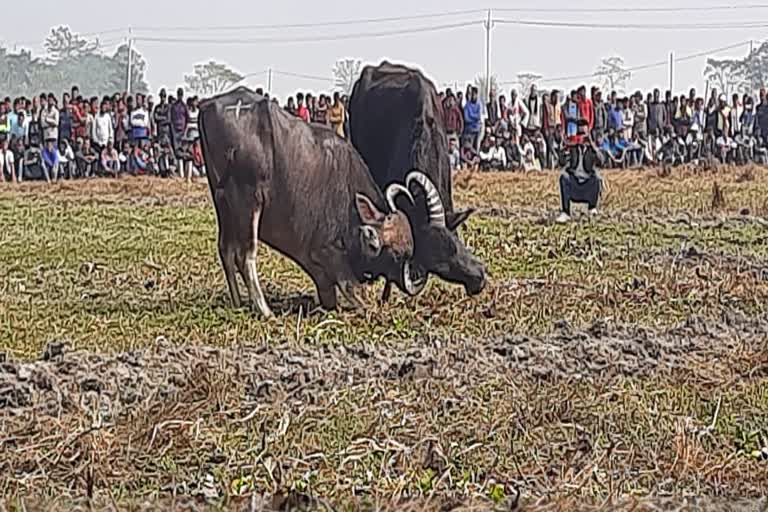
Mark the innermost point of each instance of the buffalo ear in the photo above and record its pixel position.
(456, 219)
(369, 214)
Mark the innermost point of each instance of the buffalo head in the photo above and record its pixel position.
(438, 250)
(386, 239)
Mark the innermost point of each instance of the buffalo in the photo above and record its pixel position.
(303, 191)
(397, 125)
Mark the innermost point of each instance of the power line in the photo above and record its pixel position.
(711, 8)
(643, 67)
(336, 37)
(270, 26)
(637, 26)
(38, 42)
(305, 77)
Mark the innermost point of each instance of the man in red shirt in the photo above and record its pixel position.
(78, 119)
(586, 112)
(301, 109)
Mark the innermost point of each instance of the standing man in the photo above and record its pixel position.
(586, 112)
(102, 132)
(162, 118)
(534, 112)
(601, 114)
(139, 121)
(472, 118)
(337, 115)
(179, 118)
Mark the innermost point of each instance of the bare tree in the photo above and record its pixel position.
(211, 78)
(346, 73)
(480, 83)
(613, 73)
(63, 44)
(727, 75)
(526, 79)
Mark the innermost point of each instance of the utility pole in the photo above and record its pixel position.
(488, 26)
(751, 46)
(671, 71)
(269, 81)
(128, 77)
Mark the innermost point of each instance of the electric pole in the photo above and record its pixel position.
(671, 71)
(128, 77)
(269, 81)
(488, 26)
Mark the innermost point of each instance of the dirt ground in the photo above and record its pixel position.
(645, 388)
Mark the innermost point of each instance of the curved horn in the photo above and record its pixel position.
(434, 203)
(412, 286)
(393, 191)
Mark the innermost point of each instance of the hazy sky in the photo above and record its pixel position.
(455, 55)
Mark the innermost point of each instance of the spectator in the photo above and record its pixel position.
(139, 121)
(601, 114)
(162, 118)
(454, 155)
(166, 159)
(640, 108)
(290, 106)
(179, 118)
(321, 114)
(7, 161)
(67, 164)
(102, 131)
(110, 160)
(492, 108)
(301, 110)
(454, 119)
(472, 118)
(50, 120)
(338, 115)
(492, 155)
(517, 113)
(533, 106)
(469, 156)
(193, 129)
(87, 160)
(5, 123)
(586, 121)
(50, 160)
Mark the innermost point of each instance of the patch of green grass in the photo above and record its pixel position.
(90, 268)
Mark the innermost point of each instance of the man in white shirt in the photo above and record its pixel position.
(494, 157)
(50, 120)
(7, 162)
(518, 113)
(103, 132)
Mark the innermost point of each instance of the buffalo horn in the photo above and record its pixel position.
(412, 287)
(434, 203)
(393, 191)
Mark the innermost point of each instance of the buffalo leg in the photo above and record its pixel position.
(227, 255)
(251, 276)
(386, 292)
(349, 292)
(326, 292)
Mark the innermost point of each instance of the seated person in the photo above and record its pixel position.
(110, 160)
(87, 160)
(530, 162)
(513, 151)
(469, 156)
(492, 155)
(33, 164)
(579, 181)
(50, 161)
(454, 156)
(166, 159)
(67, 159)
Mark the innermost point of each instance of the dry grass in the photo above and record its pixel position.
(438, 403)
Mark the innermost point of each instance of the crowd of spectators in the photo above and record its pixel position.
(531, 133)
(51, 138)
(76, 137)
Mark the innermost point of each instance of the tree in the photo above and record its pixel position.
(138, 69)
(728, 76)
(211, 78)
(526, 79)
(71, 60)
(756, 68)
(613, 73)
(63, 44)
(480, 82)
(345, 74)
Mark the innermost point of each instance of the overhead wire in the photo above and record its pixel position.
(313, 38)
(704, 8)
(314, 24)
(642, 67)
(734, 25)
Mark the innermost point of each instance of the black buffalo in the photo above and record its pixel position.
(397, 125)
(303, 191)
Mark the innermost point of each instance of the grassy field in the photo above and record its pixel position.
(111, 266)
